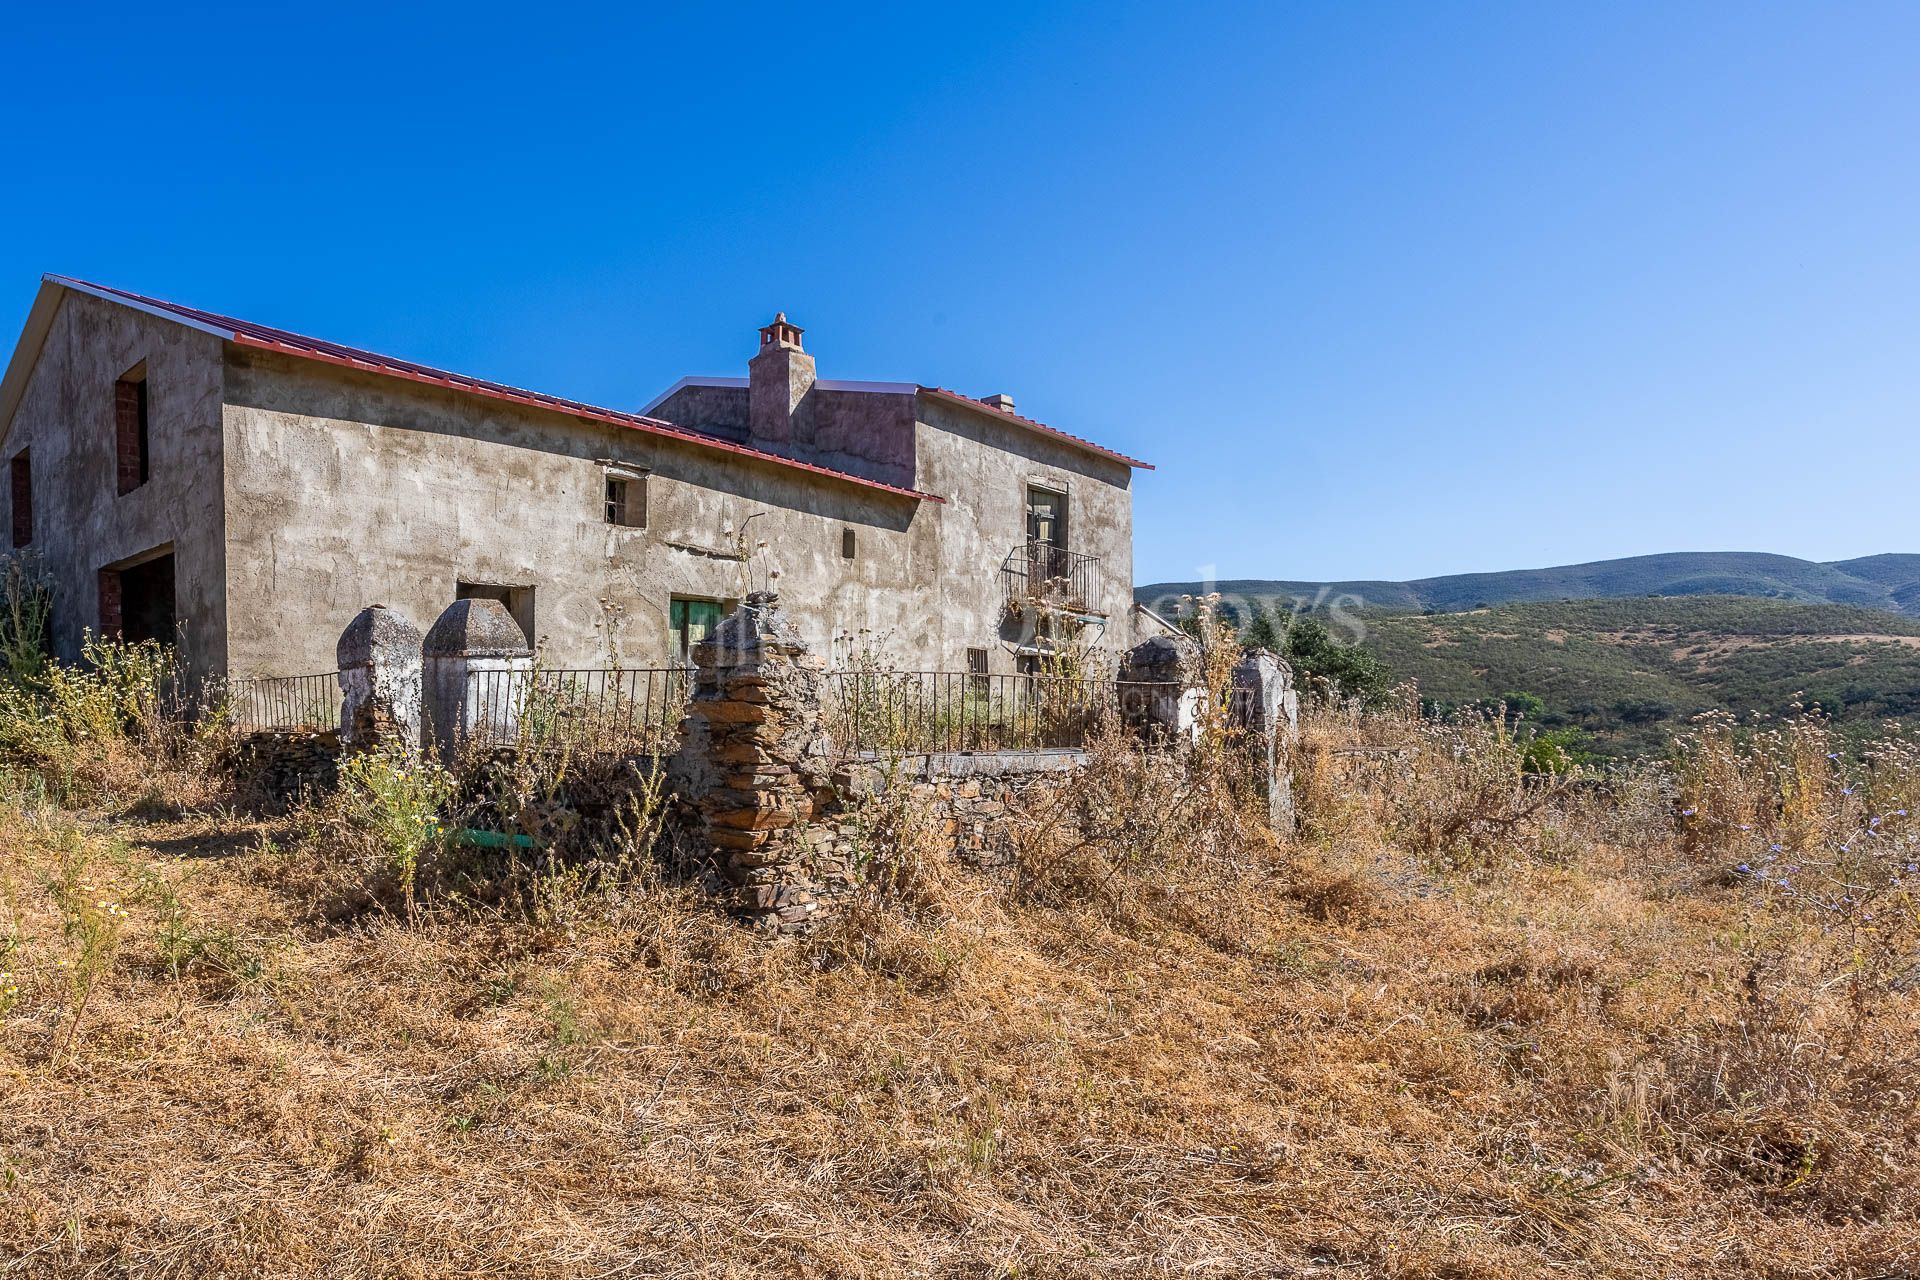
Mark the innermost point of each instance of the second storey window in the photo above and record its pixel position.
(22, 479)
(130, 429)
(627, 499)
(1046, 517)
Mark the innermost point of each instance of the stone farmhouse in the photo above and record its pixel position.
(247, 491)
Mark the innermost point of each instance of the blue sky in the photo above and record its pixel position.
(1384, 290)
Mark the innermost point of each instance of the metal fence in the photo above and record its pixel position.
(908, 712)
(935, 711)
(625, 705)
(285, 702)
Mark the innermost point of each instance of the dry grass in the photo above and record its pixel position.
(1585, 1049)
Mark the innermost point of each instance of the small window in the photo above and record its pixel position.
(690, 621)
(846, 544)
(977, 670)
(22, 499)
(130, 429)
(519, 601)
(627, 501)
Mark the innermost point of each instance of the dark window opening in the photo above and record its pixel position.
(846, 544)
(130, 429)
(1046, 517)
(689, 621)
(519, 601)
(22, 478)
(627, 501)
(977, 669)
(137, 602)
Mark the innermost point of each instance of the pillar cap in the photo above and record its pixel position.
(376, 630)
(476, 629)
(1165, 657)
(759, 625)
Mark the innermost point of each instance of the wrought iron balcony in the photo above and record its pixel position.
(1042, 575)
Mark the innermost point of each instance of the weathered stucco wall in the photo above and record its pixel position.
(345, 490)
(865, 433)
(81, 522)
(293, 494)
(983, 466)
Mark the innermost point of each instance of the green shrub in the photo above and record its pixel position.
(117, 705)
(396, 798)
(26, 617)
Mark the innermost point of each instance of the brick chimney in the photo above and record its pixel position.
(779, 378)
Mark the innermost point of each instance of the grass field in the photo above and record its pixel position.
(1469, 1024)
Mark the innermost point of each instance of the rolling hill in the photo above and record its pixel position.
(1629, 672)
(1887, 582)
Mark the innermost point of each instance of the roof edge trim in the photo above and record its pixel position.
(1064, 437)
(138, 304)
(572, 409)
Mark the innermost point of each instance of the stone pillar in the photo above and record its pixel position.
(379, 660)
(754, 765)
(1162, 688)
(1267, 708)
(478, 671)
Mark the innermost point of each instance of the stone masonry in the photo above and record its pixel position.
(1162, 689)
(477, 669)
(379, 662)
(754, 769)
(1267, 710)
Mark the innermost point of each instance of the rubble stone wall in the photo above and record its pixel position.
(974, 796)
(273, 768)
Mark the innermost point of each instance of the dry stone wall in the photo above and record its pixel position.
(273, 768)
(975, 798)
(753, 772)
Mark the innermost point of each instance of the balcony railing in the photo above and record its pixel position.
(1042, 574)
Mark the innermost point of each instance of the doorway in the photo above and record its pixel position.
(137, 601)
(1046, 533)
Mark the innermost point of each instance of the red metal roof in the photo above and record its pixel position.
(247, 334)
(971, 403)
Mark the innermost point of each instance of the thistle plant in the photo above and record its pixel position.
(1816, 830)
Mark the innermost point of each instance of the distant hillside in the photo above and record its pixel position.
(1628, 672)
(1890, 582)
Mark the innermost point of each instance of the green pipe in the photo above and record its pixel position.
(493, 839)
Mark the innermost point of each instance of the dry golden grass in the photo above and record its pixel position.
(1570, 1055)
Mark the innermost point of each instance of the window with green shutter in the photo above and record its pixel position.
(690, 620)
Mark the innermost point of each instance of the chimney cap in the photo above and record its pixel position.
(781, 332)
(999, 400)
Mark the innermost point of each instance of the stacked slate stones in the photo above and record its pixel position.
(273, 768)
(754, 769)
